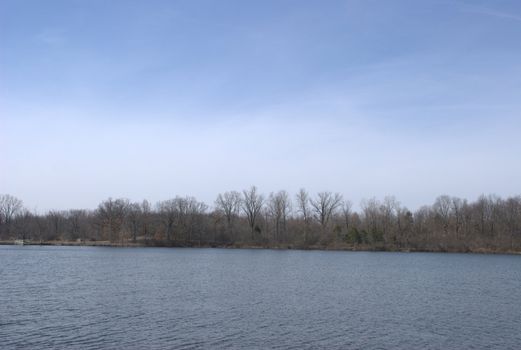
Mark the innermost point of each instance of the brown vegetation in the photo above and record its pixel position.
(250, 219)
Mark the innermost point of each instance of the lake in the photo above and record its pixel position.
(157, 298)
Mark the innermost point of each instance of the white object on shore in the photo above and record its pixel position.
(19, 241)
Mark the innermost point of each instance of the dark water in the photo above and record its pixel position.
(79, 297)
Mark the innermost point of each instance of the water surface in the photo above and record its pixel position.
(134, 298)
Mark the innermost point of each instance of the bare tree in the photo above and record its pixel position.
(279, 205)
(324, 206)
(145, 218)
(40, 227)
(133, 219)
(229, 204)
(56, 223)
(168, 213)
(449, 224)
(513, 218)
(370, 215)
(346, 210)
(442, 207)
(10, 206)
(303, 208)
(22, 223)
(194, 212)
(457, 212)
(252, 205)
(389, 210)
(76, 218)
(404, 226)
(112, 215)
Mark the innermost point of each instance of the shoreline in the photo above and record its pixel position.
(176, 244)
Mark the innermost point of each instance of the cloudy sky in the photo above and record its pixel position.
(152, 99)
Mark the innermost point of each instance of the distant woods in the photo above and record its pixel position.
(250, 218)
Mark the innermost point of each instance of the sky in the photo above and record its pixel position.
(154, 98)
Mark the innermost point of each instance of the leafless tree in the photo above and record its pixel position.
(56, 220)
(389, 210)
(145, 218)
(449, 224)
(303, 208)
(513, 218)
(442, 207)
(112, 215)
(371, 219)
(346, 210)
(10, 206)
(194, 212)
(279, 205)
(76, 218)
(457, 212)
(229, 204)
(168, 213)
(252, 205)
(134, 216)
(22, 223)
(404, 226)
(324, 206)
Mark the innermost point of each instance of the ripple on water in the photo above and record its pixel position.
(90, 298)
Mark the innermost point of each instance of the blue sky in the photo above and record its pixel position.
(149, 99)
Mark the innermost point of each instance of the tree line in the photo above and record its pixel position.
(250, 218)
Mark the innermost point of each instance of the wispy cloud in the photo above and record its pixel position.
(493, 13)
(51, 37)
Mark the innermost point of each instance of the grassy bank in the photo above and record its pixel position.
(184, 244)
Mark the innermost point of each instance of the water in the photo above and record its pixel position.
(134, 298)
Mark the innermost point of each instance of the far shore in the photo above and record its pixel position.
(183, 244)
